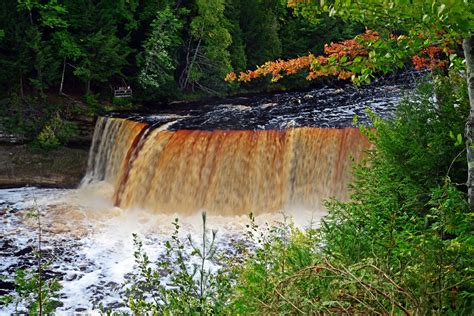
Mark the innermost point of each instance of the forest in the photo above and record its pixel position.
(395, 185)
(163, 49)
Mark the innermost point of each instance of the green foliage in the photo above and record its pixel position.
(159, 59)
(207, 56)
(47, 138)
(260, 26)
(38, 294)
(123, 103)
(56, 132)
(27, 288)
(281, 251)
(163, 49)
(420, 24)
(180, 283)
(399, 14)
(404, 242)
(102, 52)
(298, 33)
(37, 120)
(233, 9)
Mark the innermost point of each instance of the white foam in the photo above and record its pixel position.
(98, 237)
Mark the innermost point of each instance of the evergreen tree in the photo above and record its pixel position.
(160, 47)
(103, 50)
(158, 61)
(207, 58)
(259, 20)
(16, 61)
(233, 12)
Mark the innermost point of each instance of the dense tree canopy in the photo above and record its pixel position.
(160, 48)
(428, 34)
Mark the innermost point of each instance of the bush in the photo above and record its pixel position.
(124, 103)
(47, 139)
(282, 254)
(56, 132)
(174, 285)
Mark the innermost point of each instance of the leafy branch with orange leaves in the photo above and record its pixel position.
(360, 58)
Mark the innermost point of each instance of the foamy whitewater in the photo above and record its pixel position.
(89, 241)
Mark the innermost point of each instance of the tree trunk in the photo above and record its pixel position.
(468, 45)
(22, 94)
(88, 87)
(62, 77)
(40, 79)
(191, 65)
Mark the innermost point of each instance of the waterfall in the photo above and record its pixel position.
(225, 172)
(112, 143)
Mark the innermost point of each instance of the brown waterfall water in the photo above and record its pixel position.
(223, 172)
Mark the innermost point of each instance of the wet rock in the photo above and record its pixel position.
(13, 210)
(71, 276)
(115, 305)
(6, 287)
(85, 268)
(49, 274)
(6, 245)
(24, 251)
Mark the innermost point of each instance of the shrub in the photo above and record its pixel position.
(176, 285)
(282, 253)
(124, 103)
(56, 132)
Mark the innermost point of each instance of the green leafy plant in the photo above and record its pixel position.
(33, 290)
(123, 103)
(56, 132)
(182, 282)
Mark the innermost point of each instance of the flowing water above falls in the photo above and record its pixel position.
(285, 152)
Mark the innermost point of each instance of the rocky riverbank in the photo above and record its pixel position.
(21, 165)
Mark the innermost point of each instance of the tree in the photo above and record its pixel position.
(15, 57)
(300, 35)
(233, 12)
(439, 20)
(101, 31)
(68, 50)
(260, 25)
(158, 59)
(42, 19)
(207, 55)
